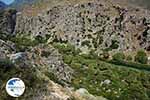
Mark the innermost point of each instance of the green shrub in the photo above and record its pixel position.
(86, 56)
(131, 64)
(114, 44)
(6, 63)
(105, 55)
(23, 42)
(93, 54)
(141, 57)
(51, 76)
(129, 58)
(118, 56)
(97, 41)
(67, 58)
(66, 48)
(86, 43)
(41, 39)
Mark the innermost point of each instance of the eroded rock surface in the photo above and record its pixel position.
(48, 59)
(95, 24)
(7, 22)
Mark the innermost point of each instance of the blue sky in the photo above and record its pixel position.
(7, 1)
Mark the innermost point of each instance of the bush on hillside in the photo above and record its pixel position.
(141, 57)
(129, 58)
(106, 55)
(118, 56)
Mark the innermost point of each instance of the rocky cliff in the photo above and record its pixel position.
(7, 22)
(95, 24)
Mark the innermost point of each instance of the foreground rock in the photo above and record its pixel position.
(84, 93)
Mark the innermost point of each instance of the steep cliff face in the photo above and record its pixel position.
(96, 24)
(7, 22)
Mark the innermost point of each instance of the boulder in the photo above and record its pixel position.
(20, 59)
(85, 94)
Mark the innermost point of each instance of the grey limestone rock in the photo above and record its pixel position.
(92, 24)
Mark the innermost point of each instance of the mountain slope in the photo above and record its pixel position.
(19, 4)
(72, 43)
(90, 25)
(2, 5)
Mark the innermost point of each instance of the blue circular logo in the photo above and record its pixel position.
(15, 87)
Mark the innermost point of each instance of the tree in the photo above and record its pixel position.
(141, 57)
(118, 56)
(106, 55)
(129, 58)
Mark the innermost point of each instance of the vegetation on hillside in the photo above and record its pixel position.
(141, 57)
(119, 78)
(115, 82)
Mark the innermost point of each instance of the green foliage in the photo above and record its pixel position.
(118, 56)
(66, 48)
(141, 57)
(4, 36)
(86, 43)
(131, 64)
(6, 63)
(90, 72)
(23, 42)
(45, 53)
(41, 39)
(97, 41)
(129, 58)
(67, 58)
(93, 54)
(52, 76)
(114, 44)
(105, 55)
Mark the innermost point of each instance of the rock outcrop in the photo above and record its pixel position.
(7, 22)
(48, 59)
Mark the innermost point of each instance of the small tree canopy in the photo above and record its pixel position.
(141, 57)
(118, 56)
